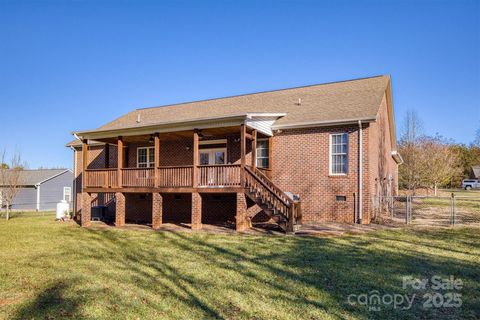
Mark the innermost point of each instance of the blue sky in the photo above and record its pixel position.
(71, 65)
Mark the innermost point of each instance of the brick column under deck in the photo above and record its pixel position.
(119, 209)
(196, 211)
(157, 210)
(241, 219)
(86, 209)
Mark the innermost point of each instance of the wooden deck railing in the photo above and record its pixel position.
(256, 181)
(221, 175)
(138, 177)
(175, 176)
(261, 185)
(104, 178)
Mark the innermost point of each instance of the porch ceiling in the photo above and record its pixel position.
(207, 133)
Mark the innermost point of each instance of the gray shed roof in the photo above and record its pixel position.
(38, 176)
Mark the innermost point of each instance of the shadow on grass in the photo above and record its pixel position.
(303, 277)
(51, 303)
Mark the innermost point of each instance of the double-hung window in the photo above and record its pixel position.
(262, 154)
(338, 153)
(67, 194)
(145, 157)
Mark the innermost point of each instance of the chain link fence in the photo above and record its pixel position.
(428, 210)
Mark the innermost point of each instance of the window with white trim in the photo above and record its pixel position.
(338, 153)
(145, 157)
(263, 160)
(67, 194)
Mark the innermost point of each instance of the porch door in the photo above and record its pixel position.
(211, 176)
(213, 156)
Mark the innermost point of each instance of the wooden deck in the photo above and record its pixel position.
(225, 176)
(256, 184)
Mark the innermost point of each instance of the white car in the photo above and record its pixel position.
(471, 184)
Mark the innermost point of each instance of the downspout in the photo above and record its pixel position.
(396, 187)
(74, 189)
(360, 172)
(38, 197)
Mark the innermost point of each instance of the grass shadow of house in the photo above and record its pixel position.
(176, 274)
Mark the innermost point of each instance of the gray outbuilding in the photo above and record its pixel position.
(42, 189)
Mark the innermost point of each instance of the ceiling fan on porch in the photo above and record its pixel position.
(202, 134)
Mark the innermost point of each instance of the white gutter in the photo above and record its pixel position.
(360, 172)
(251, 115)
(170, 126)
(308, 124)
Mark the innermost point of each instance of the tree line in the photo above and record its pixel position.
(433, 161)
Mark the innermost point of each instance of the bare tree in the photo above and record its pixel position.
(439, 164)
(476, 141)
(409, 148)
(10, 179)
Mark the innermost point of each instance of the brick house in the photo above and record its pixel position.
(308, 154)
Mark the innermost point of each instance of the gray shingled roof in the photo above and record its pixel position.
(352, 99)
(33, 177)
(358, 99)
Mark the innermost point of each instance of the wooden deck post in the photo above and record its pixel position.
(157, 160)
(242, 154)
(195, 159)
(84, 163)
(254, 149)
(119, 161)
(107, 155)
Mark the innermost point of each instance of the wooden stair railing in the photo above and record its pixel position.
(271, 198)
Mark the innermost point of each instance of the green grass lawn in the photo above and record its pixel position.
(462, 203)
(460, 192)
(53, 270)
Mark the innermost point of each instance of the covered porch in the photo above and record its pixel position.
(218, 156)
(174, 161)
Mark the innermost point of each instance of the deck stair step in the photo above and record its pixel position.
(280, 207)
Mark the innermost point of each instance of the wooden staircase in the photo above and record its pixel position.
(285, 211)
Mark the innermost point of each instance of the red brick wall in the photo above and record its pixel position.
(300, 159)
(120, 209)
(381, 164)
(86, 214)
(157, 210)
(138, 207)
(196, 211)
(219, 208)
(242, 222)
(177, 207)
